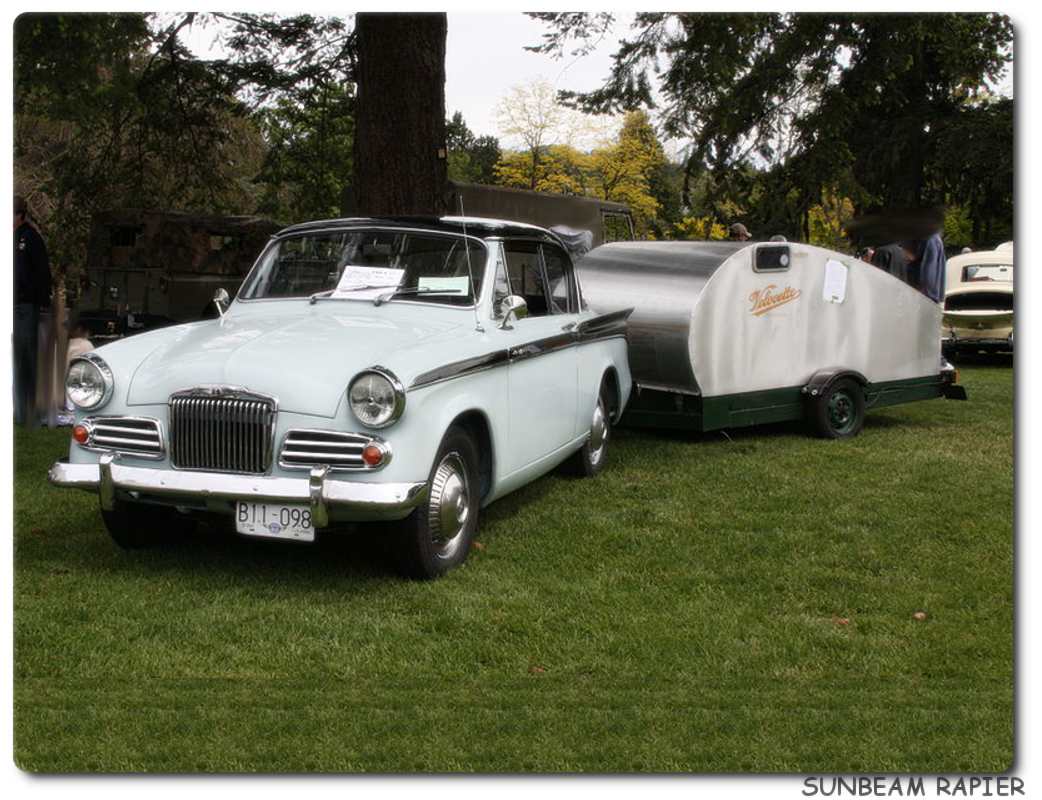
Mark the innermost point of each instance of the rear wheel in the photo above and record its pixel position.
(593, 455)
(839, 411)
(136, 525)
(436, 537)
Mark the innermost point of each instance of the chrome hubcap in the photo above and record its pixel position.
(598, 433)
(449, 507)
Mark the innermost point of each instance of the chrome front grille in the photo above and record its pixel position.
(221, 432)
(138, 436)
(309, 448)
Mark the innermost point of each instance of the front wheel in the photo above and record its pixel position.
(839, 411)
(437, 535)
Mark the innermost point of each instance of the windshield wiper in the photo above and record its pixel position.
(383, 298)
(312, 299)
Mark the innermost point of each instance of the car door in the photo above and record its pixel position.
(542, 371)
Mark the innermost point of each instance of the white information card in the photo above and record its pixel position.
(353, 279)
(835, 287)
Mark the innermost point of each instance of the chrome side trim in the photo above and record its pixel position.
(458, 369)
(540, 347)
(606, 326)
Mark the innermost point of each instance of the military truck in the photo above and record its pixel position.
(149, 268)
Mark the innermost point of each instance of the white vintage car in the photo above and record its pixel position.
(978, 302)
(369, 369)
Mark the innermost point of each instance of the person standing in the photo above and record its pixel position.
(739, 233)
(32, 293)
(932, 267)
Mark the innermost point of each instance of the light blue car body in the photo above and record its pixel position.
(533, 384)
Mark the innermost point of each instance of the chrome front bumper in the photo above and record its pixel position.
(327, 496)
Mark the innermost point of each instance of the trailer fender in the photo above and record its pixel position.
(822, 379)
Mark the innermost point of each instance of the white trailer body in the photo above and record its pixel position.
(727, 334)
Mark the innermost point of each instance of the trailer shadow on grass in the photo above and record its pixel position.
(1003, 360)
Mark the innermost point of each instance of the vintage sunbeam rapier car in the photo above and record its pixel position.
(406, 370)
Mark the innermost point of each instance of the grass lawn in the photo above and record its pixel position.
(708, 604)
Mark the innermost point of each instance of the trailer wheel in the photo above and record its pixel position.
(839, 411)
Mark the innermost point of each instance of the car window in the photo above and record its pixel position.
(525, 273)
(559, 278)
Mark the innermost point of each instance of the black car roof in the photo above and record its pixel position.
(480, 227)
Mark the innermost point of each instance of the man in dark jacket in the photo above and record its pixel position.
(32, 292)
(893, 258)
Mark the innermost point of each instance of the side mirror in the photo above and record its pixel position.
(221, 300)
(512, 307)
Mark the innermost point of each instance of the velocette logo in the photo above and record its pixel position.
(770, 297)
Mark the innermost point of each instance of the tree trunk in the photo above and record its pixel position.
(399, 147)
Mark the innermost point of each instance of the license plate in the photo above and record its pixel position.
(274, 521)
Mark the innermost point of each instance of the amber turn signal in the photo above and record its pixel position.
(81, 433)
(373, 455)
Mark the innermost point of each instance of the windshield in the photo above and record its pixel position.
(987, 272)
(364, 263)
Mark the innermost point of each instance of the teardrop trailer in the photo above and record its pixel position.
(730, 334)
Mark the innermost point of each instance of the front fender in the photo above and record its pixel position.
(431, 409)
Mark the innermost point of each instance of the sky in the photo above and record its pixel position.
(485, 56)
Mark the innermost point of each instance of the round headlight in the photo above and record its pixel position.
(376, 397)
(88, 383)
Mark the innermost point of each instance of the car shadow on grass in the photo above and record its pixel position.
(343, 557)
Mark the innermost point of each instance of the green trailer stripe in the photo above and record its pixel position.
(662, 409)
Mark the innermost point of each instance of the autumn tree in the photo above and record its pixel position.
(627, 168)
(626, 171)
(531, 114)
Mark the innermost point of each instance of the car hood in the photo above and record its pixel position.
(305, 357)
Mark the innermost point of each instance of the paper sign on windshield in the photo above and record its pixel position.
(835, 288)
(354, 278)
